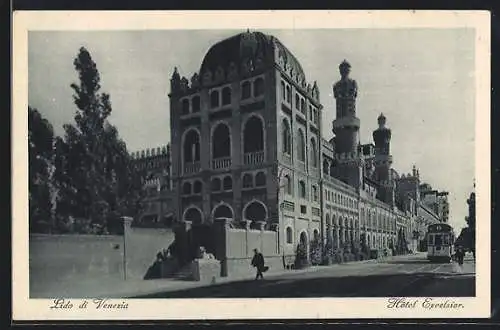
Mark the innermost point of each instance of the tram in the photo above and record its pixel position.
(440, 242)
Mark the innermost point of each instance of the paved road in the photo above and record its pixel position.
(404, 276)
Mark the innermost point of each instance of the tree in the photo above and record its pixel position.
(95, 174)
(40, 156)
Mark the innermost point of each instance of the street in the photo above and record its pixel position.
(404, 276)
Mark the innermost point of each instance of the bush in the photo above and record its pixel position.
(301, 257)
(316, 252)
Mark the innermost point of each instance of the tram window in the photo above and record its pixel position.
(446, 240)
(439, 240)
(430, 241)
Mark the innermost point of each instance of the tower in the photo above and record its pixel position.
(383, 161)
(346, 129)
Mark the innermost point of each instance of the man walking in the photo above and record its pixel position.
(258, 263)
(460, 255)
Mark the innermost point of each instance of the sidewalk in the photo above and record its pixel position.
(113, 288)
(175, 285)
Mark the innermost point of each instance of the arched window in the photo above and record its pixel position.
(288, 94)
(258, 87)
(326, 167)
(310, 113)
(193, 215)
(303, 238)
(221, 141)
(303, 106)
(197, 187)
(223, 211)
(255, 211)
(286, 137)
(226, 96)
(186, 188)
(314, 156)
(216, 184)
(192, 147)
(316, 234)
(283, 92)
(246, 90)
(297, 102)
(302, 189)
(288, 185)
(314, 193)
(228, 183)
(185, 106)
(247, 180)
(260, 179)
(214, 99)
(196, 103)
(301, 146)
(253, 135)
(289, 235)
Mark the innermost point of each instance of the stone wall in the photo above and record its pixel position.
(235, 248)
(59, 258)
(55, 260)
(142, 245)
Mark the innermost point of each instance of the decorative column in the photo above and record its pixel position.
(127, 224)
(221, 226)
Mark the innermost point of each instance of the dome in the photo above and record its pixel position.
(247, 45)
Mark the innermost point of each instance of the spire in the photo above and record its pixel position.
(345, 69)
(381, 120)
(175, 75)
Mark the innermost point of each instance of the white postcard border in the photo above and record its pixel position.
(227, 309)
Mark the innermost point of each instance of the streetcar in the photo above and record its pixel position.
(440, 242)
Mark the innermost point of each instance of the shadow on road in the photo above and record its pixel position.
(415, 262)
(394, 285)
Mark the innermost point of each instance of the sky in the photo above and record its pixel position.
(421, 79)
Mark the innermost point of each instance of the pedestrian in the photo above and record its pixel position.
(460, 255)
(259, 264)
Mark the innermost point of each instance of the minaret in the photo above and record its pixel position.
(346, 129)
(383, 161)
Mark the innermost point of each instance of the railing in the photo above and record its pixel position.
(290, 206)
(253, 158)
(220, 163)
(191, 167)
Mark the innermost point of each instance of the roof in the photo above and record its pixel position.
(247, 45)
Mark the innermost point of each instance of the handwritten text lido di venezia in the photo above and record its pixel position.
(97, 303)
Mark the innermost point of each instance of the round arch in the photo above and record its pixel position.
(303, 238)
(255, 210)
(221, 140)
(222, 210)
(253, 133)
(196, 144)
(286, 137)
(193, 213)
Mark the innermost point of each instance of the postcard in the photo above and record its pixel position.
(251, 165)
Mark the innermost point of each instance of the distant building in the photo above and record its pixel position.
(154, 168)
(247, 144)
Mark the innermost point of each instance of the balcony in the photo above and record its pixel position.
(253, 158)
(221, 163)
(191, 167)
